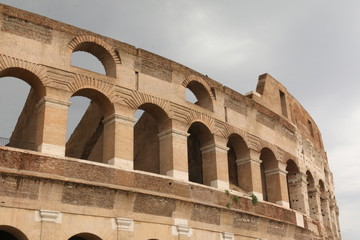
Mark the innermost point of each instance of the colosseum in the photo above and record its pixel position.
(224, 167)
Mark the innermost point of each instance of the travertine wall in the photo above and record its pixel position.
(193, 166)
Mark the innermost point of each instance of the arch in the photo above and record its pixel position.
(85, 236)
(268, 163)
(201, 90)
(195, 116)
(106, 54)
(148, 150)
(98, 97)
(27, 76)
(11, 233)
(237, 150)
(86, 142)
(199, 137)
(293, 178)
(23, 135)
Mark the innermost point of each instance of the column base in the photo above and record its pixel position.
(220, 184)
(283, 203)
(122, 163)
(51, 149)
(179, 175)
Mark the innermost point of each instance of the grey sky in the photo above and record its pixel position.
(311, 47)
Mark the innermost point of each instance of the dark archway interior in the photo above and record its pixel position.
(232, 166)
(7, 236)
(77, 238)
(194, 157)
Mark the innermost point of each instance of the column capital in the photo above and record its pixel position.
(247, 160)
(48, 216)
(173, 133)
(275, 171)
(118, 118)
(46, 101)
(227, 236)
(125, 224)
(214, 147)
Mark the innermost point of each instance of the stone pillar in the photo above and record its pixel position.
(314, 203)
(325, 211)
(51, 126)
(215, 166)
(119, 141)
(276, 184)
(249, 173)
(297, 188)
(173, 154)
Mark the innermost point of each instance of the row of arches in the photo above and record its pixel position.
(93, 54)
(12, 233)
(151, 123)
(149, 153)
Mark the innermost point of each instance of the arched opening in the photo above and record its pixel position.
(87, 61)
(293, 178)
(18, 105)
(85, 236)
(311, 189)
(100, 53)
(203, 98)
(237, 150)
(199, 137)
(150, 121)
(270, 186)
(11, 233)
(85, 139)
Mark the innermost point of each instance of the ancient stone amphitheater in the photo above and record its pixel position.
(228, 166)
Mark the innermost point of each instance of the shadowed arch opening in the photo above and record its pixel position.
(293, 178)
(11, 233)
(151, 120)
(85, 236)
(268, 183)
(86, 140)
(18, 103)
(238, 150)
(203, 98)
(101, 54)
(199, 137)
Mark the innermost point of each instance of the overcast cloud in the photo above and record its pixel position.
(311, 47)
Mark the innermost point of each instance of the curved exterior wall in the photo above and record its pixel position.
(183, 171)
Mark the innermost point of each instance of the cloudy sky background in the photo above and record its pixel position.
(311, 47)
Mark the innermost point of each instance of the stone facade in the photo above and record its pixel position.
(228, 166)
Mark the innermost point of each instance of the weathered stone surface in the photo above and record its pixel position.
(87, 195)
(154, 205)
